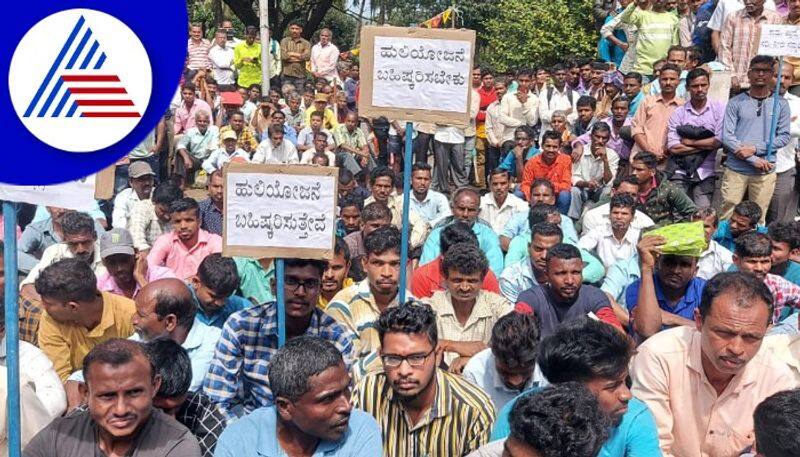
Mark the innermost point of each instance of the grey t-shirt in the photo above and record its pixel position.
(76, 436)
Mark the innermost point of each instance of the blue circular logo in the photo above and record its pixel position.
(87, 82)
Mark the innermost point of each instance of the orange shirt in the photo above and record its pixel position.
(559, 173)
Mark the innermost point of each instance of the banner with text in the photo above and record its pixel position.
(77, 195)
(779, 40)
(416, 74)
(280, 211)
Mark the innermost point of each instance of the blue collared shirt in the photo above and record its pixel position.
(516, 278)
(619, 276)
(684, 308)
(433, 209)
(745, 124)
(518, 225)
(257, 434)
(509, 162)
(633, 105)
(232, 304)
(636, 435)
(482, 371)
(487, 240)
(724, 237)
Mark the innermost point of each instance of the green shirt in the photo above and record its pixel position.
(657, 32)
(593, 270)
(254, 281)
(249, 72)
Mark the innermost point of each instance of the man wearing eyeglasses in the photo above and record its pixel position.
(237, 378)
(422, 410)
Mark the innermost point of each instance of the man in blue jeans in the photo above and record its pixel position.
(596, 355)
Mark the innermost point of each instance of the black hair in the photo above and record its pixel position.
(623, 201)
(182, 305)
(769, 60)
(546, 229)
(745, 288)
(598, 65)
(630, 179)
(563, 251)
(219, 274)
(753, 244)
(465, 190)
(499, 171)
(75, 223)
(412, 318)
(189, 86)
(278, 129)
(750, 210)
(340, 247)
(542, 182)
(671, 67)
(523, 129)
(420, 166)
(775, 422)
(633, 75)
(185, 204)
(551, 135)
(320, 265)
(583, 350)
(173, 364)
(318, 114)
(563, 420)
(383, 239)
(457, 232)
(585, 100)
(696, 73)
(784, 232)
(114, 352)
(345, 176)
(647, 158)
(381, 172)
(600, 127)
(677, 47)
(300, 359)
(524, 72)
(515, 340)
(465, 258)
(67, 280)
(539, 213)
(376, 211)
(704, 212)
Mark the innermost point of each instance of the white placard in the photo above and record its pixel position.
(418, 73)
(278, 212)
(779, 40)
(77, 195)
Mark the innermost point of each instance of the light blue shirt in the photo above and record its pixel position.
(517, 278)
(487, 240)
(96, 213)
(199, 145)
(481, 371)
(433, 209)
(787, 326)
(635, 436)
(518, 225)
(619, 276)
(256, 434)
(200, 343)
(232, 304)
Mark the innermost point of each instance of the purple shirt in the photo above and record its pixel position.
(616, 143)
(710, 117)
(106, 282)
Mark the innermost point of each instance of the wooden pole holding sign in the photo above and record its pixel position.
(12, 327)
(415, 74)
(279, 211)
(778, 41)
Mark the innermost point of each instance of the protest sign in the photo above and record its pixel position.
(285, 211)
(416, 74)
(79, 195)
(779, 40)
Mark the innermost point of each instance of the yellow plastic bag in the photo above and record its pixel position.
(685, 238)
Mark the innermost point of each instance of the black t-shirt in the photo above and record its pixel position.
(551, 313)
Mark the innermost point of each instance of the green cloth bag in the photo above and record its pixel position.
(685, 238)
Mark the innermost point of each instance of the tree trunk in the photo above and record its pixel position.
(218, 15)
(243, 9)
(315, 17)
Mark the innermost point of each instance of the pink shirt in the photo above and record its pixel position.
(324, 59)
(692, 420)
(106, 282)
(169, 251)
(184, 117)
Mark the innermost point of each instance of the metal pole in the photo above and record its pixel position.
(404, 230)
(12, 326)
(775, 110)
(263, 15)
(281, 297)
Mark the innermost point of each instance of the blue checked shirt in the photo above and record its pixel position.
(237, 378)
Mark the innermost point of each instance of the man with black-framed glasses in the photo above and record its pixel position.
(237, 378)
(421, 409)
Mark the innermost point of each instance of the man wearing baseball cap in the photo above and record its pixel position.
(329, 121)
(127, 271)
(141, 180)
(225, 154)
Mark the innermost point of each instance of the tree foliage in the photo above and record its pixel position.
(530, 33)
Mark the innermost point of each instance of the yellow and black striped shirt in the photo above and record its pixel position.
(459, 421)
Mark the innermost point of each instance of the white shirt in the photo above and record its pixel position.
(608, 248)
(123, 207)
(498, 216)
(222, 64)
(324, 59)
(220, 157)
(494, 129)
(283, 153)
(514, 114)
(598, 217)
(785, 157)
(591, 167)
(37, 369)
(559, 101)
(727, 7)
(715, 259)
(309, 154)
(481, 371)
(60, 251)
(450, 135)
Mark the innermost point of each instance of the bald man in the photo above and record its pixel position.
(167, 308)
